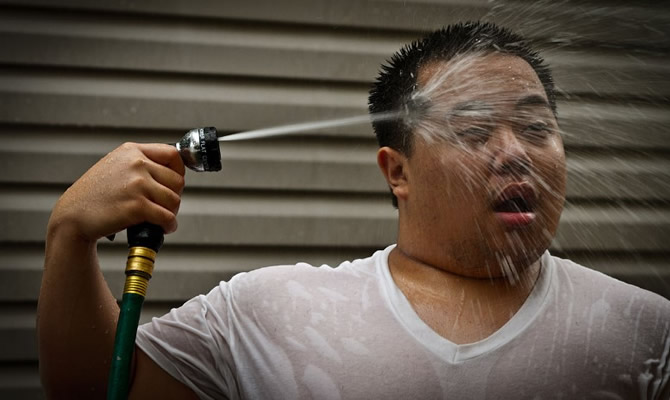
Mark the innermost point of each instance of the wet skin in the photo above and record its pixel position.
(491, 137)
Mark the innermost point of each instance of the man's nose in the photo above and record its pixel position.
(510, 153)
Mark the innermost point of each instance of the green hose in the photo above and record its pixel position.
(144, 241)
(124, 345)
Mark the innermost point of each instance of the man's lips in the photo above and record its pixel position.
(520, 194)
(514, 204)
(516, 219)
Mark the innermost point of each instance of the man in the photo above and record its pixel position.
(467, 305)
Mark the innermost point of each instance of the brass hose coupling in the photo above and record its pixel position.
(139, 267)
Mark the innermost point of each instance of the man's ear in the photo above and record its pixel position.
(393, 165)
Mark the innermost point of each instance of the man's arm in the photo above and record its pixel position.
(77, 312)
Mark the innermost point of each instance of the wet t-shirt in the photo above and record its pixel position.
(301, 332)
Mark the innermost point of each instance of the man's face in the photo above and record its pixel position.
(486, 176)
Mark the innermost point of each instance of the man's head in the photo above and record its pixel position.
(396, 88)
(477, 161)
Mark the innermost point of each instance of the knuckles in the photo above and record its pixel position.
(127, 147)
(174, 202)
(136, 184)
(138, 163)
(180, 183)
(170, 223)
(137, 207)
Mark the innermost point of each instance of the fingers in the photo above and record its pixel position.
(163, 154)
(166, 177)
(164, 197)
(161, 216)
(156, 183)
(167, 171)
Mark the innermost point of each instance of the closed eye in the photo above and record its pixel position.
(474, 135)
(536, 131)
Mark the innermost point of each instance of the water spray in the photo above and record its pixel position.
(199, 149)
(308, 126)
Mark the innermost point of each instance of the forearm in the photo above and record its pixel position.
(77, 316)
(77, 313)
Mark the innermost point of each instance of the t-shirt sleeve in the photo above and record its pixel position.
(192, 343)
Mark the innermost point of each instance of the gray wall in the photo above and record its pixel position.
(77, 78)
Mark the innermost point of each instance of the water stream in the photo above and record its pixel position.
(292, 129)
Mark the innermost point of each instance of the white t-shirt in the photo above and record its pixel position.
(300, 332)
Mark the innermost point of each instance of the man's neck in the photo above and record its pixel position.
(460, 308)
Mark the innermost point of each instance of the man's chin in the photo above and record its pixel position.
(513, 255)
(513, 270)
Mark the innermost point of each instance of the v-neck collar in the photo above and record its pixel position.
(446, 349)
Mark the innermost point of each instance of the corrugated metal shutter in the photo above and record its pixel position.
(77, 78)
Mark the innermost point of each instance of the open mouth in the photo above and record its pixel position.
(515, 204)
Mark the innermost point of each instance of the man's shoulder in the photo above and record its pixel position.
(306, 270)
(589, 283)
(280, 298)
(303, 279)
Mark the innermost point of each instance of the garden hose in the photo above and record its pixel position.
(199, 149)
(144, 241)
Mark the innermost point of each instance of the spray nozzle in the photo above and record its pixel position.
(199, 149)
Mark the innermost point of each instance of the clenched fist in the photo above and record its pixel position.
(135, 183)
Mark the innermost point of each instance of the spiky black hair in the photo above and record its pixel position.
(392, 90)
